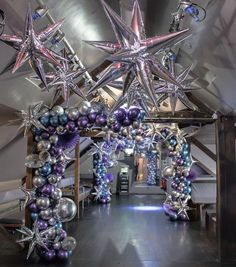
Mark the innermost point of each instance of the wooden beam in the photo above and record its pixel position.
(77, 177)
(92, 133)
(29, 178)
(202, 107)
(203, 166)
(226, 186)
(202, 147)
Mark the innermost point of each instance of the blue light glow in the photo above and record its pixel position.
(146, 208)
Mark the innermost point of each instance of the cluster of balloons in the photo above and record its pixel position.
(152, 167)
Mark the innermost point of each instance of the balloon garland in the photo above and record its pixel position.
(152, 167)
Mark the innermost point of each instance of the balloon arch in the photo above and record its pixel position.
(57, 130)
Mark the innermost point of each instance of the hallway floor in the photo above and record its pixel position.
(132, 231)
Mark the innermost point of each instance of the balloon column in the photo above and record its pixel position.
(55, 130)
(152, 167)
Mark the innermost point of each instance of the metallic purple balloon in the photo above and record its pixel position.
(101, 120)
(55, 151)
(33, 207)
(59, 168)
(71, 127)
(51, 129)
(42, 225)
(83, 122)
(92, 116)
(62, 254)
(126, 122)
(45, 135)
(116, 127)
(133, 113)
(120, 114)
(49, 255)
(63, 235)
(48, 189)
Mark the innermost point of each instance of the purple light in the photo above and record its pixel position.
(146, 208)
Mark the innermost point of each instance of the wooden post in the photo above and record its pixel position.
(29, 178)
(77, 177)
(226, 189)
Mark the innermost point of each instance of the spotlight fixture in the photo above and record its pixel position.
(39, 12)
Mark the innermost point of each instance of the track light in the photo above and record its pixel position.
(39, 12)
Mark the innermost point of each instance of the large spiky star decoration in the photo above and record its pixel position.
(30, 118)
(175, 92)
(31, 46)
(99, 192)
(133, 55)
(35, 237)
(183, 207)
(30, 195)
(64, 81)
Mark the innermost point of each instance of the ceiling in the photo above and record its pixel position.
(211, 50)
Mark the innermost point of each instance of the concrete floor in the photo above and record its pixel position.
(129, 233)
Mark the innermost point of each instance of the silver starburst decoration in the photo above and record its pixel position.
(30, 195)
(30, 118)
(99, 191)
(183, 206)
(34, 237)
(99, 149)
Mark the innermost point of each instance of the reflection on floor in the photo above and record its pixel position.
(132, 232)
(143, 188)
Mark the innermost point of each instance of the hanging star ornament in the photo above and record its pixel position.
(64, 81)
(178, 91)
(29, 118)
(34, 237)
(31, 46)
(133, 55)
(30, 195)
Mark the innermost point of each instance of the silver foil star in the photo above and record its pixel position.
(30, 195)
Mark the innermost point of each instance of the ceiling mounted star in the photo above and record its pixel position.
(35, 237)
(133, 56)
(30, 118)
(31, 46)
(175, 92)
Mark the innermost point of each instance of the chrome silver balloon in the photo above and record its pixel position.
(69, 243)
(43, 145)
(57, 194)
(57, 111)
(168, 172)
(44, 156)
(46, 214)
(53, 178)
(53, 139)
(33, 161)
(43, 203)
(73, 113)
(38, 181)
(85, 107)
(66, 210)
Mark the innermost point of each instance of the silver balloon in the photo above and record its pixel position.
(60, 129)
(46, 214)
(73, 113)
(138, 138)
(66, 209)
(44, 156)
(52, 221)
(51, 233)
(43, 203)
(33, 161)
(57, 111)
(56, 245)
(168, 172)
(53, 178)
(53, 160)
(84, 107)
(112, 119)
(53, 139)
(39, 181)
(136, 125)
(57, 194)
(43, 145)
(69, 243)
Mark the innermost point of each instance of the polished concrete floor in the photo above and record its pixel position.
(132, 231)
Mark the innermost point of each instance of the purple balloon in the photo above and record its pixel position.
(59, 168)
(109, 176)
(51, 129)
(116, 127)
(71, 127)
(83, 122)
(49, 255)
(48, 189)
(62, 254)
(126, 122)
(104, 158)
(33, 207)
(63, 235)
(42, 225)
(92, 116)
(120, 114)
(101, 120)
(45, 135)
(56, 151)
(133, 113)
